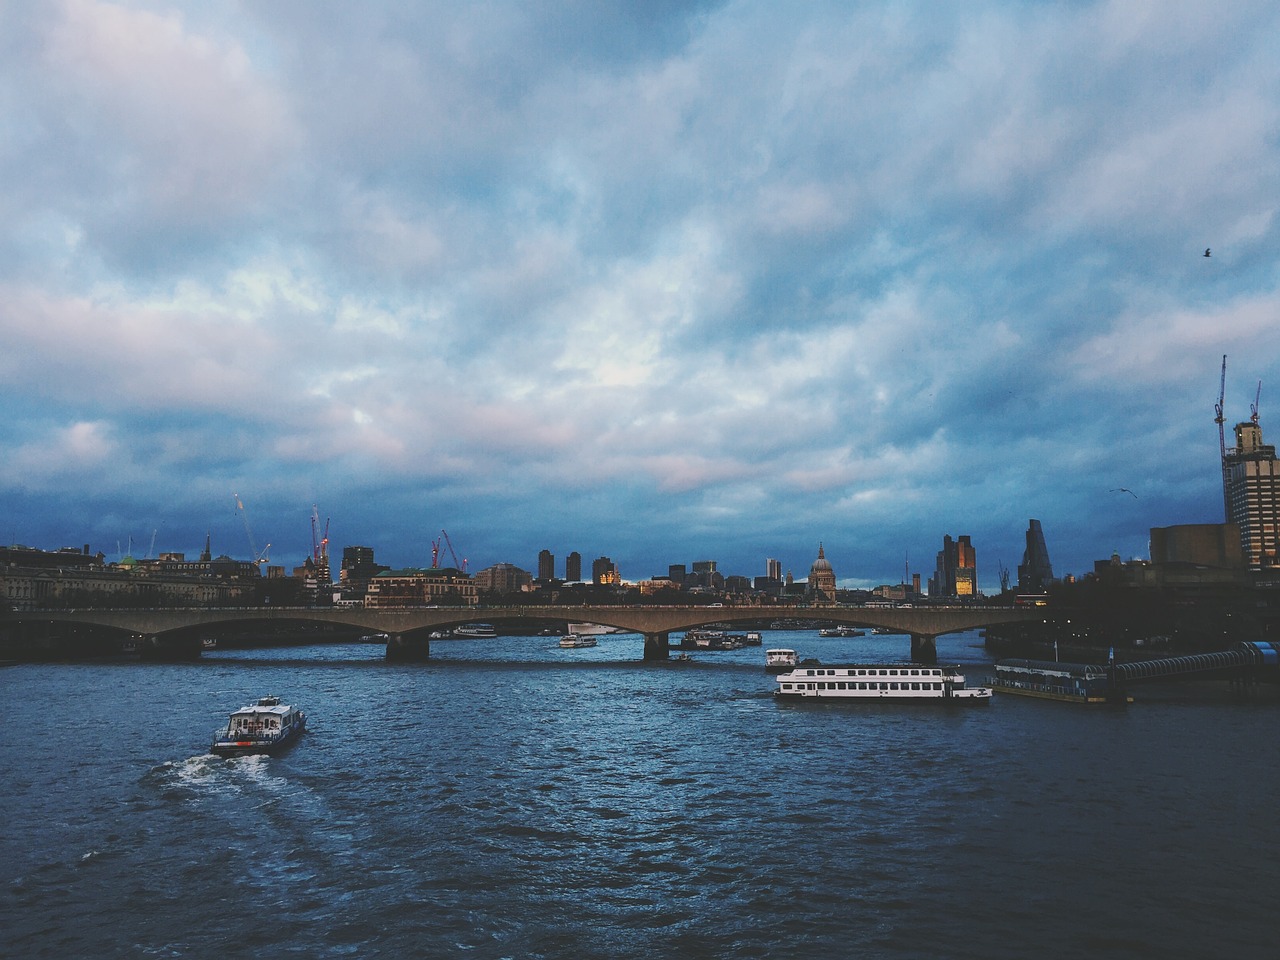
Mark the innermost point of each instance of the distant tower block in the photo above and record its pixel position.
(1251, 481)
(1035, 573)
(956, 574)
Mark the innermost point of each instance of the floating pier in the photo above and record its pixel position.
(1110, 682)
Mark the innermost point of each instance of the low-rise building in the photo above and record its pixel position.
(434, 586)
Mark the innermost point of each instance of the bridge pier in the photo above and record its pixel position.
(410, 648)
(924, 648)
(657, 646)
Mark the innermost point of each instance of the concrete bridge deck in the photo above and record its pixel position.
(176, 632)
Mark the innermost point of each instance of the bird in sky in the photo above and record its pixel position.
(1124, 490)
(1206, 251)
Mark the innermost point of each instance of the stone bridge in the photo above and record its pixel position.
(177, 632)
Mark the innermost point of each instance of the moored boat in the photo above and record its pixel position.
(1051, 680)
(841, 632)
(575, 640)
(482, 630)
(268, 726)
(907, 682)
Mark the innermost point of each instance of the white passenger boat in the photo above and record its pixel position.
(780, 660)
(483, 630)
(268, 726)
(574, 640)
(908, 682)
(592, 629)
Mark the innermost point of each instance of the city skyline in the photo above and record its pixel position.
(657, 282)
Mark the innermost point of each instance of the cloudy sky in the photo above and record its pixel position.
(664, 281)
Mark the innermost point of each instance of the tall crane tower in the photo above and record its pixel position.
(258, 558)
(1219, 419)
(435, 553)
(319, 542)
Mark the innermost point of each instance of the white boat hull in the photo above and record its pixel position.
(906, 683)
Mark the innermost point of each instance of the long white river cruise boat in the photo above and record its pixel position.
(482, 630)
(268, 726)
(907, 682)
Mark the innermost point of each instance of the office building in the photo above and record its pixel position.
(956, 574)
(1035, 572)
(503, 578)
(604, 572)
(573, 567)
(1251, 490)
(546, 565)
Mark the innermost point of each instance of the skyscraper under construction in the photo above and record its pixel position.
(1251, 491)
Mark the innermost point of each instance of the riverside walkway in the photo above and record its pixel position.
(177, 632)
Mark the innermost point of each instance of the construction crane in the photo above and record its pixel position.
(320, 545)
(1219, 419)
(435, 553)
(1257, 397)
(258, 558)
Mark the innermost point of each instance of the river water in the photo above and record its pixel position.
(511, 799)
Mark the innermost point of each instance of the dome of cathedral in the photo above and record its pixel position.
(822, 564)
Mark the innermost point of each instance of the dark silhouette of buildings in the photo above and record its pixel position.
(573, 567)
(1035, 572)
(604, 572)
(956, 575)
(546, 565)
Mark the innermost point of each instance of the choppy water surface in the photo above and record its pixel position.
(511, 799)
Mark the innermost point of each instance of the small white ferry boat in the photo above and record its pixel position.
(574, 640)
(268, 726)
(907, 682)
(780, 660)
